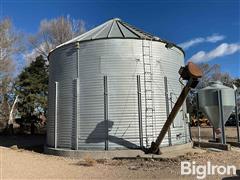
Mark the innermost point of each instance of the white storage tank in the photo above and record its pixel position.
(94, 101)
(208, 99)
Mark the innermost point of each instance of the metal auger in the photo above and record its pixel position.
(191, 73)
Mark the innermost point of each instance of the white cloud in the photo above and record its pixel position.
(222, 50)
(211, 39)
(186, 45)
(215, 38)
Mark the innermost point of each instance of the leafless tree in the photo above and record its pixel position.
(213, 73)
(210, 73)
(9, 46)
(53, 33)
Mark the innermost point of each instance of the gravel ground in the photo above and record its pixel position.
(206, 133)
(22, 164)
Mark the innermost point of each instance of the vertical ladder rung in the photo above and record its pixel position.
(150, 125)
(148, 72)
(148, 90)
(149, 108)
(148, 80)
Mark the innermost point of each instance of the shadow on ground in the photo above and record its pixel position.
(237, 177)
(28, 142)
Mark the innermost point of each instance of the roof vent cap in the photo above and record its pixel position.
(116, 19)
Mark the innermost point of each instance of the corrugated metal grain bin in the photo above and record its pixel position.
(94, 99)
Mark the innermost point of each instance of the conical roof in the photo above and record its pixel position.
(115, 28)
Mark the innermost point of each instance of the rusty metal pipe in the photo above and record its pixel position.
(191, 73)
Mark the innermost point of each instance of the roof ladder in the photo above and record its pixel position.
(148, 86)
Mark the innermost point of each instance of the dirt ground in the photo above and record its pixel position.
(21, 157)
(207, 133)
(23, 164)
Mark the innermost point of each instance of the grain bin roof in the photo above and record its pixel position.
(116, 28)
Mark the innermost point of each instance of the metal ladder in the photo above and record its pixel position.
(148, 86)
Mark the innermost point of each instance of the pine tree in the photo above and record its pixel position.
(32, 86)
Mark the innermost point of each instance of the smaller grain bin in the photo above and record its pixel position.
(217, 102)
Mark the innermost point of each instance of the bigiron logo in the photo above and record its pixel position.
(202, 171)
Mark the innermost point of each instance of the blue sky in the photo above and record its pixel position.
(209, 30)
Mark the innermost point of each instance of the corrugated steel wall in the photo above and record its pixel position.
(121, 60)
(62, 69)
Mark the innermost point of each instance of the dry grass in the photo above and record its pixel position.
(87, 161)
(14, 147)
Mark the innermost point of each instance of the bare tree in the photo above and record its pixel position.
(210, 73)
(213, 73)
(225, 78)
(8, 41)
(53, 33)
(9, 46)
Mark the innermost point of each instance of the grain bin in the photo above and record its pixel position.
(112, 88)
(217, 102)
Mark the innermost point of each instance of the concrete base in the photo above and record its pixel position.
(232, 143)
(113, 154)
(235, 144)
(225, 147)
